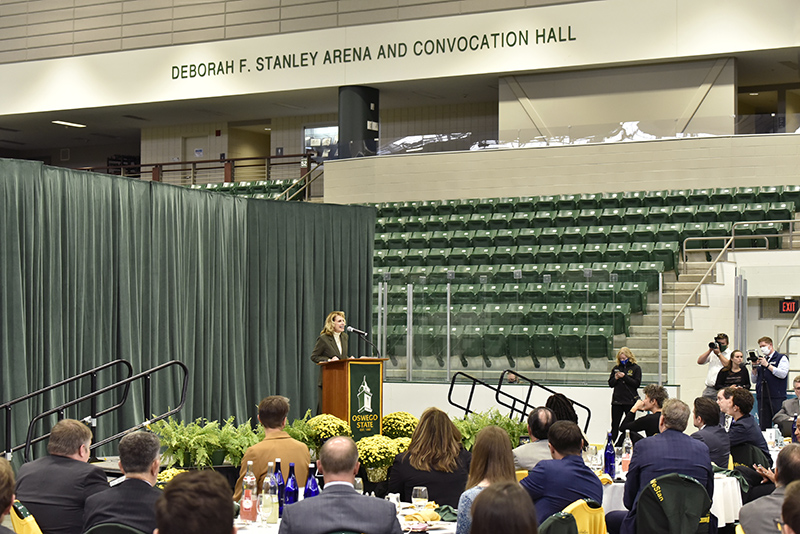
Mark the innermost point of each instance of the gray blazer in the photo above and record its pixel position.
(528, 455)
(785, 415)
(339, 507)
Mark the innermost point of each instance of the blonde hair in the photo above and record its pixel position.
(435, 444)
(627, 352)
(328, 330)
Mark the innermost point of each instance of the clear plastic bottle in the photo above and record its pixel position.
(248, 509)
(627, 451)
(292, 492)
(269, 496)
(312, 488)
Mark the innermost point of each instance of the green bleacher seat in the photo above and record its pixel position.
(634, 293)
(385, 209)
(599, 342)
(505, 237)
(262, 187)
(396, 339)
(457, 221)
(397, 294)
(435, 223)
(546, 253)
(535, 292)
(791, 193)
(588, 201)
(397, 240)
(648, 273)
(395, 257)
(495, 343)
(550, 236)
(419, 240)
(543, 342)
(464, 314)
(590, 313)
(532, 272)
(440, 239)
(694, 230)
(459, 256)
(464, 294)
(494, 313)
(666, 251)
(227, 187)
(670, 232)
(707, 213)
(436, 293)
(510, 292)
(601, 270)
(464, 274)
(594, 252)
(588, 216)
(610, 200)
(546, 203)
(660, 214)
(566, 201)
(684, 214)
(499, 221)
(641, 251)
(426, 208)
(378, 256)
(478, 221)
(631, 199)
(528, 236)
(506, 205)
(571, 342)
(644, 233)
(417, 257)
(397, 314)
(521, 219)
(540, 313)
(597, 234)
(573, 235)
(394, 224)
(520, 342)
(731, 212)
(526, 254)
(518, 313)
(773, 230)
(655, 198)
(414, 223)
(626, 270)
(554, 270)
(583, 291)
(438, 256)
(570, 253)
(608, 291)
(466, 206)
(379, 274)
(611, 216)
(471, 343)
(565, 218)
(699, 197)
(526, 204)
(621, 233)
(379, 241)
(214, 188)
(508, 273)
(779, 211)
(481, 255)
(486, 272)
(504, 255)
(543, 219)
(770, 193)
(617, 252)
(419, 274)
(756, 211)
(617, 314)
(636, 215)
(744, 195)
(723, 195)
(485, 205)
(678, 197)
(243, 188)
(446, 207)
(429, 340)
(721, 229)
(559, 292)
(564, 313)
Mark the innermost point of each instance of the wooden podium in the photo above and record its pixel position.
(352, 390)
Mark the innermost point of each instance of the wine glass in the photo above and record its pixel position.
(359, 485)
(419, 497)
(265, 506)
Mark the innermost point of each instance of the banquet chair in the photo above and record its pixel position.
(589, 516)
(559, 523)
(673, 504)
(113, 528)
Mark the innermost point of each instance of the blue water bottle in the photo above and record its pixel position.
(292, 492)
(312, 488)
(610, 467)
(281, 485)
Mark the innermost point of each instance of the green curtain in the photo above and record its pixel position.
(95, 268)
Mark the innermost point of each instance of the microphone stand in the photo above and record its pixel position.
(364, 337)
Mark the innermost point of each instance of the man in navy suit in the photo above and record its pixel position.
(770, 376)
(671, 451)
(554, 484)
(133, 501)
(706, 419)
(339, 507)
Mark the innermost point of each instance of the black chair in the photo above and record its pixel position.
(113, 528)
(559, 523)
(673, 504)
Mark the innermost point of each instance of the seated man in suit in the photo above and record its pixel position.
(553, 484)
(710, 432)
(763, 515)
(738, 403)
(671, 451)
(196, 502)
(6, 492)
(790, 511)
(654, 397)
(54, 489)
(789, 410)
(528, 455)
(133, 501)
(339, 507)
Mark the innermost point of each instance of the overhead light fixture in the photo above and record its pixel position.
(70, 124)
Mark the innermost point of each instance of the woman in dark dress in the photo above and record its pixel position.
(734, 374)
(626, 376)
(435, 459)
(332, 341)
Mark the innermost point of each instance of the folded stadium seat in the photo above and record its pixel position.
(481, 255)
(399, 274)
(543, 342)
(564, 313)
(455, 333)
(397, 314)
(780, 211)
(505, 237)
(610, 200)
(597, 234)
(707, 213)
(588, 201)
(611, 216)
(670, 232)
(626, 270)
(457, 221)
(464, 274)
(571, 343)
(395, 257)
(666, 251)
(435, 223)
(684, 214)
(550, 236)
(618, 315)
(485, 205)
(565, 218)
(769, 194)
(380, 274)
(635, 215)
(429, 340)
(588, 216)
(499, 221)
(426, 208)
(634, 293)
(506, 205)
(642, 251)
(724, 195)
(495, 343)
(660, 214)
(755, 211)
(397, 294)
(554, 270)
(378, 256)
(535, 292)
(744, 195)
(459, 255)
(466, 206)
(394, 224)
(526, 204)
(262, 187)
(478, 221)
(575, 272)
(543, 219)
(559, 292)
(419, 239)
(436, 293)
(471, 342)
(617, 252)
(521, 219)
(467, 314)
(380, 240)
(397, 239)
(771, 229)
(678, 197)
(567, 201)
(532, 272)
(494, 313)
(731, 212)
(699, 197)
(655, 198)
(599, 341)
(485, 274)
(570, 253)
(396, 339)
(380, 225)
(631, 199)
(385, 209)
(791, 193)
(546, 203)
(594, 252)
(519, 342)
(226, 187)
(517, 313)
(419, 274)
(573, 235)
(601, 271)
(528, 236)
(540, 313)
(439, 314)
(415, 223)
(438, 256)
(244, 188)
(447, 207)
(583, 291)
(510, 292)
(503, 255)
(721, 229)
(508, 273)
(590, 313)
(692, 230)
(440, 239)
(546, 253)
(417, 257)
(648, 272)
(621, 233)
(260, 196)
(526, 254)
(487, 292)
(608, 292)
(742, 232)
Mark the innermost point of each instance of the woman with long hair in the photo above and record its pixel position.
(504, 508)
(626, 377)
(492, 461)
(734, 374)
(332, 341)
(435, 459)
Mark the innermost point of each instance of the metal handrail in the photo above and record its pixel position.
(728, 244)
(6, 407)
(126, 383)
(307, 184)
(500, 395)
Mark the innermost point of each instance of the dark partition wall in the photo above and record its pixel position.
(95, 268)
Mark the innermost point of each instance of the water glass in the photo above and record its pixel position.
(419, 497)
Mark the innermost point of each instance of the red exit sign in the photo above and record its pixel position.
(787, 306)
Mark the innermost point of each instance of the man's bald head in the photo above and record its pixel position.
(338, 457)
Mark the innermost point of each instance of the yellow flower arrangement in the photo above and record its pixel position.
(402, 444)
(326, 426)
(167, 475)
(399, 425)
(376, 451)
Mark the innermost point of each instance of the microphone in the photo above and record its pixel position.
(357, 331)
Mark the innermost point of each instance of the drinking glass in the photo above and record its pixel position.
(419, 497)
(265, 506)
(359, 485)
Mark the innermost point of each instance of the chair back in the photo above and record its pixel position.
(589, 516)
(113, 528)
(559, 523)
(22, 520)
(748, 455)
(673, 504)
(520, 474)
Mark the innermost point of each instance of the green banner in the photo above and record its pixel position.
(366, 398)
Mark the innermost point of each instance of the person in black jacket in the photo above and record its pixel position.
(734, 374)
(654, 397)
(626, 376)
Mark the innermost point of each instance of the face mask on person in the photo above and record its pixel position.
(765, 351)
(623, 361)
(722, 347)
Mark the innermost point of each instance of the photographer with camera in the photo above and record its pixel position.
(717, 356)
(769, 373)
(734, 374)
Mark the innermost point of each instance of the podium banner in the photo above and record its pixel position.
(365, 398)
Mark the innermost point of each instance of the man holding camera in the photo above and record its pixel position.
(717, 356)
(769, 373)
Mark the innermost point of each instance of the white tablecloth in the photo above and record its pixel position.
(725, 505)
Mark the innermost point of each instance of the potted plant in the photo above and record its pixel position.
(398, 425)
(235, 440)
(189, 444)
(326, 426)
(303, 432)
(472, 423)
(376, 453)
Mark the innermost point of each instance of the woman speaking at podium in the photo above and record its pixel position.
(332, 341)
